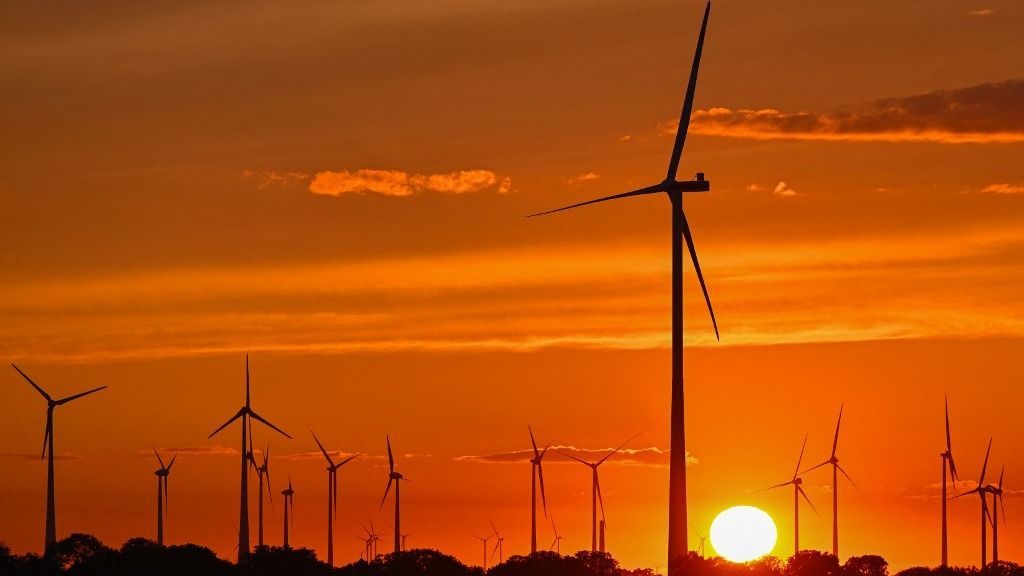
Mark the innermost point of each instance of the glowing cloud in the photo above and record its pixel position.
(398, 183)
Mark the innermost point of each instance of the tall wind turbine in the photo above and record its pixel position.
(834, 462)
(674, 189)
(537, 471)
(981, 491)
(798, 491)
(997, 495)
(947, 462)
(483, 540)
(51, 404)
(332, 496)
(289, 506)
(595, 494)
(556, 544)
(162, 475)
(396, 478)
(246, 413)
(262, 471)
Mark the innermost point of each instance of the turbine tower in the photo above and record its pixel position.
(834, 462)
(483, 540)
(997, 495)
(162, 475)
(537, 471)
(397, 479)
(595, 494)
(289, 506)
(674, 189)
(947, 462)
(246, 414)
(262, 470)
(332, 496)
(986, 518)
(51, 404)
(499, 544)
(556, 544)
(798, 491)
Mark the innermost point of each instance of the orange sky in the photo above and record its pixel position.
(339, 190)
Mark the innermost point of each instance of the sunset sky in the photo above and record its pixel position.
(339, 188)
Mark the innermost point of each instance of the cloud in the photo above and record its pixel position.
(783, 189)
(336, 455)
(398, 183)
(583, 178)
(986, 113)
(650, 456)
(982, 12)
(1003, 188)
(34, 456)
(266, 178)
(170, 451)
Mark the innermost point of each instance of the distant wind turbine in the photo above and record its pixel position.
(397, 479)
(262, 470)
(701, 539)
(537, 471)
(483, 540)
(556, 545)
(674, 189)
(798, 491)
(245, 413)
(332, 496)
(404, 537)
(947, 462)
(834, 462)
(981, 491)
(499, 545)
(289, 506)
(51, 404)
(997, 495)
(595, 494)
(162, 478)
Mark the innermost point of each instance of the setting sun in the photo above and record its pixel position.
(743, 533)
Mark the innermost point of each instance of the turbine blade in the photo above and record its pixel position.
(1002, 506)
(347, 460)
(786, 483)
(386, 490)
(809, 503)
(801, 458)
(159, 459)
(79, 395)
(34, 385)
(322, 449)
(167, 499)
(46, 434)
(972, 491)
(543, 497)
(570, 456)
(835, 441)
(1001, 472)
(696, 268)
(261, 419)
(840, 468)
(691, 87)
(391, 458)
(597, 487)
(620, 446)
(238, 415)
(173, 458)
(816, 467)
(985, 465)
(536, 453)
(638, 192)
(248, 399)
(949, 445)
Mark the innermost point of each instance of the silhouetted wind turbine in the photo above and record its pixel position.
(332, 496)
(404, 537)
(674, 189)
(834, 461)
(595, 495)
(499, 544)
(483, 540)
(537, 470)
(700, 546)
(798, 491)
(162, 476)
(556, 544)
(51, 511)
(985, 517)
(245, 413)
(397, 479)
(261, 471)
(997, 494)
(289, 505)
(947, 461)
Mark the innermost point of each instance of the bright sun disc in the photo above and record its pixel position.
(743, 533)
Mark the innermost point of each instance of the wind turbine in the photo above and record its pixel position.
(595, 494)
(245, 413)
(499, 544)
(980, 490)
(404, 537)
(674, 189)
(834, 461)
(397, 479)
(537, 470)
(162, 475)
(798, 491)
(556, 545)
(289, 505)
(997, 494)
(332, 496)
(261, 471)
(947, 461)
(701, 538)
(51, 404)
(483, 540)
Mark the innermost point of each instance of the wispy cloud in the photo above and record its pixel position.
(267, 178)
(1003, 188)
(216, 450)
(651, 456)
(583, 178)
(783, 189)
(35, 456)
(982, 12)
(986, 113)
(399, 183)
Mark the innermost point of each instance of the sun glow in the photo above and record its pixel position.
(743, 533)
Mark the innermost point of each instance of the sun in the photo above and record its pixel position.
(743, 533)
